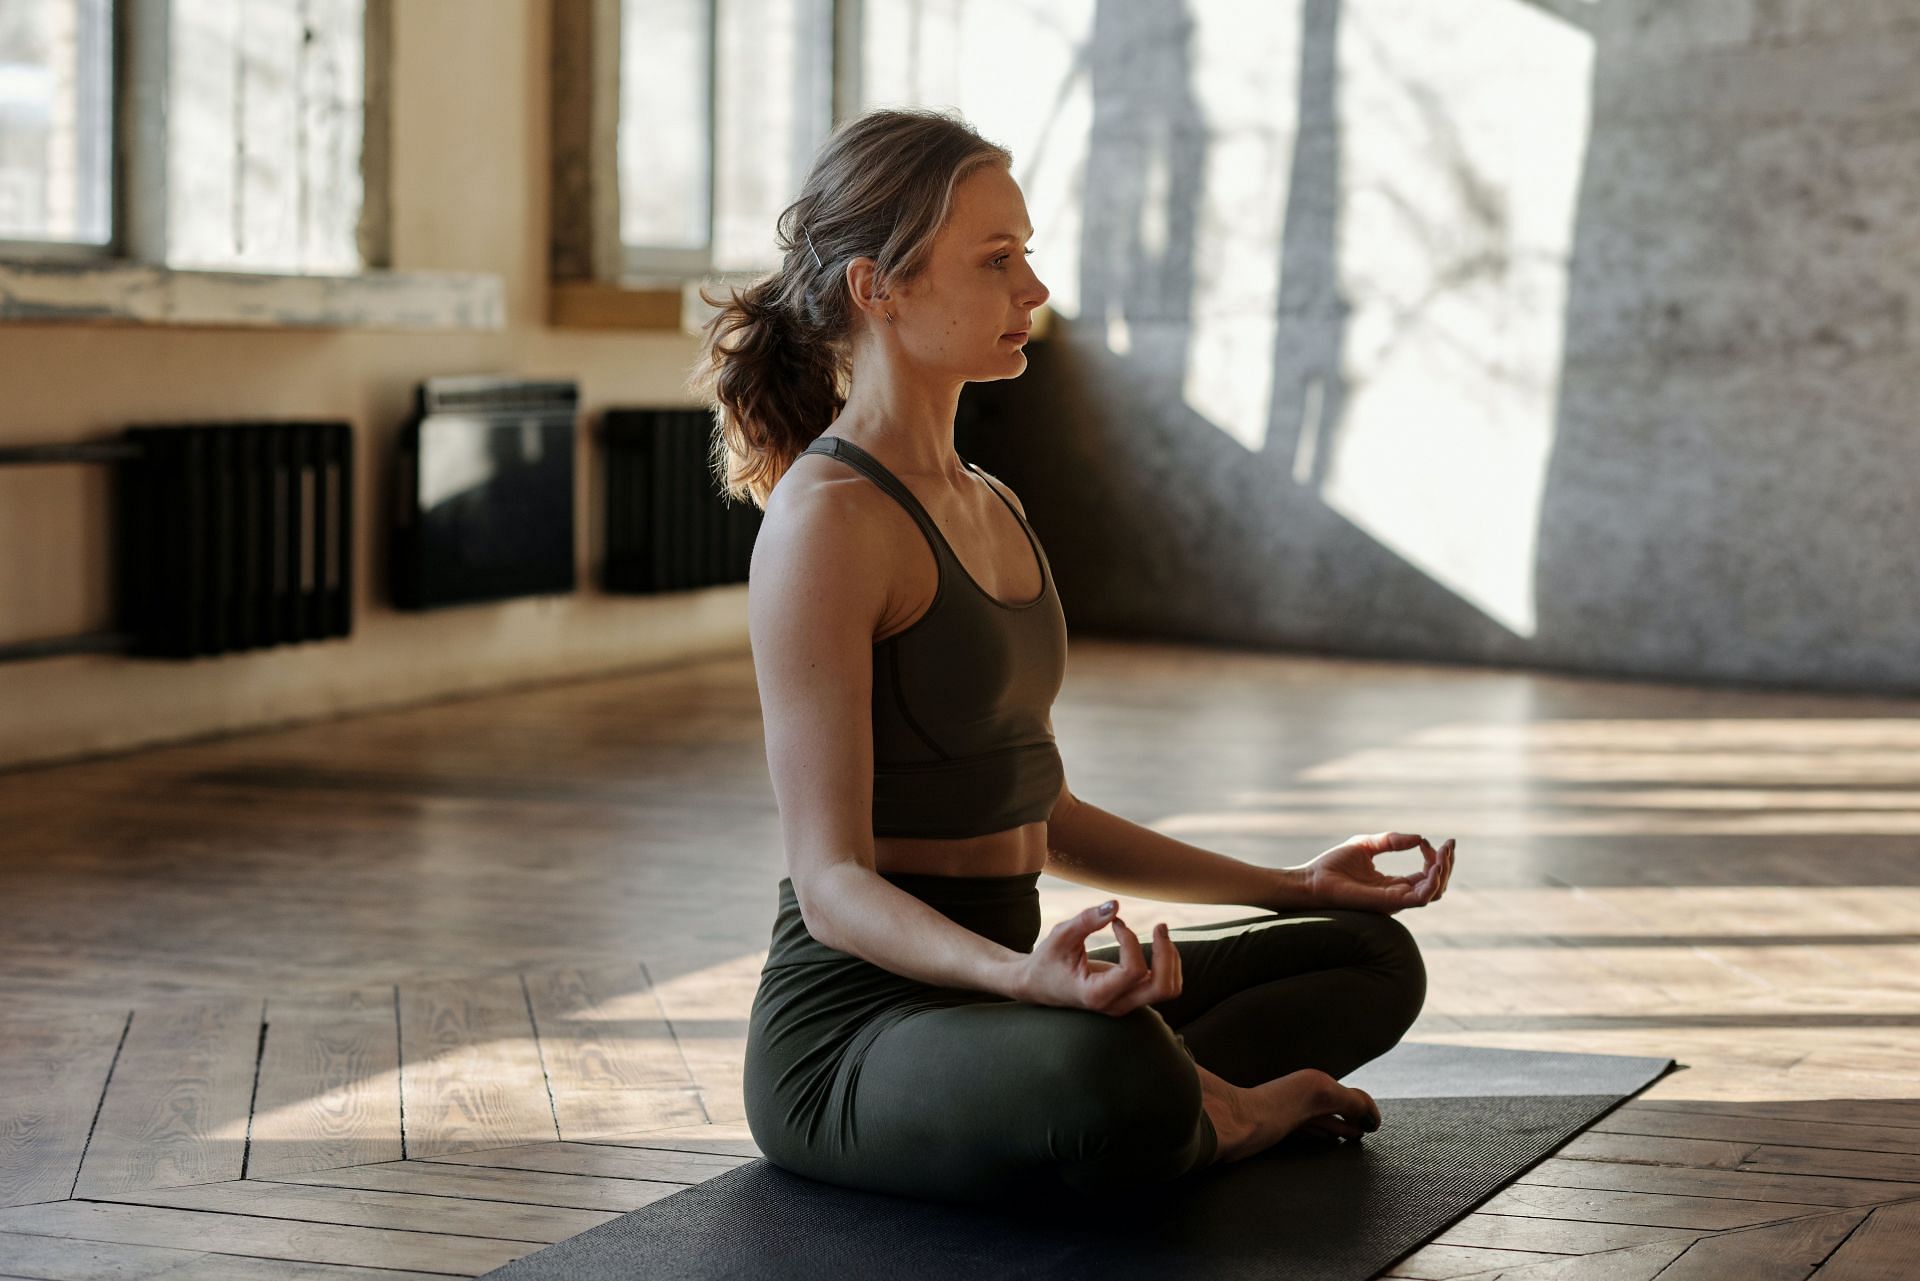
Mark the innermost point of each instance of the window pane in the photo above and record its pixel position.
(663, 140)
(1033, 95)
(775, 108)
(55, 121)
(266, 114)
(913, 53)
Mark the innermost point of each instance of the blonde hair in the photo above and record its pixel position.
(775, 360)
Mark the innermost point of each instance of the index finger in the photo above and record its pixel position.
(1083, 924)
(1380, 842)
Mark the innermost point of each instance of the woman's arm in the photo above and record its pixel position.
(852, 908)
(1095, 848)
(1087, 844)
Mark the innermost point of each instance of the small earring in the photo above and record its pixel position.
(889, 318)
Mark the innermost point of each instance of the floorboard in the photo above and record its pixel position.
(291, 1240)
(1883, 1248)
(329, 1091)
(176, 1107)
(489, 1183)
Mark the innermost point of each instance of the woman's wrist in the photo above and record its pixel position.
(1289, 889)
(1008, 977)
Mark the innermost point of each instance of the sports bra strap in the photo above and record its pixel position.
(861, 461)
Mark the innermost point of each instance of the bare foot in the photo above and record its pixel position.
(1250, 1120)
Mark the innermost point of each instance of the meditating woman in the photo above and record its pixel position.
(912, 1032)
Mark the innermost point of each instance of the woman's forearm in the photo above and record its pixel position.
(1087, 844)
(852, 909)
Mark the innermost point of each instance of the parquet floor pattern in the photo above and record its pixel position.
(414, 993)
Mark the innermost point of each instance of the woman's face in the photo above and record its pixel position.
(979, 285)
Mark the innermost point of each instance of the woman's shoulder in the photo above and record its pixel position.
(826, 519)
(816, 486)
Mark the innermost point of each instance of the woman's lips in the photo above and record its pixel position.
(1021, 336)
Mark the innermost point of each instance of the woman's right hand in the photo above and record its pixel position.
(1059, 972)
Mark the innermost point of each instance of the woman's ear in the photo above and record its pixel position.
(864, 283)
(866, 287)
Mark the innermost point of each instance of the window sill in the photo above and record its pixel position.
(667, 306)
(119, 292)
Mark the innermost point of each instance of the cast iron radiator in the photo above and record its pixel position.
(667, 526)
(234, 536)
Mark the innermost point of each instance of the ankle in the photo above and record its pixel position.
(1230, 1109)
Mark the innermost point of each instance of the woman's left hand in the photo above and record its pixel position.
(1345, 876)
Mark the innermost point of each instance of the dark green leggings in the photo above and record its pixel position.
(862, 1077)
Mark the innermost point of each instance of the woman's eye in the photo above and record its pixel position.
(1003, 257)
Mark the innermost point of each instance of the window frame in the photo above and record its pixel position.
(597, 281)
(127, 281)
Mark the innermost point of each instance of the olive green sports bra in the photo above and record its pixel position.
(961, 745)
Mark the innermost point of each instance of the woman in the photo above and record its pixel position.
(911, 1033)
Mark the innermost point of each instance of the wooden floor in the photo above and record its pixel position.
(413, 993)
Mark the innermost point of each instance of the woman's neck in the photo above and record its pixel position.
(913, 429)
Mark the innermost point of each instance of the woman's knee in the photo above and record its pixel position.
(1393, 951)
(1122, 1086)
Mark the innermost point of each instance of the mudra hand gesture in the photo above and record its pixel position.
(1345, 876)
(1059, 972)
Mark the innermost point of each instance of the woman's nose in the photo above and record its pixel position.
(1040, 292)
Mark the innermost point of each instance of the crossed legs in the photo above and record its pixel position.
(976, 1101)
(1266, 995)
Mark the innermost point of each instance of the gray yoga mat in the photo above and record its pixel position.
(1459, 1123)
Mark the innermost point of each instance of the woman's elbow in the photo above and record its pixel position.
(817, 899)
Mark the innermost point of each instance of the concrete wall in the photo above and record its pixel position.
(468, 168)
(1570, 333)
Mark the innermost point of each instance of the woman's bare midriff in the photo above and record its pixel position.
(1010, 853)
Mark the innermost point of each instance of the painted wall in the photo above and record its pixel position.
(469, 159)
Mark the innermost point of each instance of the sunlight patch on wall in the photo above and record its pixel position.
(1246, 57)
(1463, 133)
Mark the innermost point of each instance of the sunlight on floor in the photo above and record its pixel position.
(1791, 988)
(1736, 752)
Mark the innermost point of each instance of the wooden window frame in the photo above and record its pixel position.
(591, 285)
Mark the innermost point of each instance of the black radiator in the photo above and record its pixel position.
(484, 491)
(234, 536)
(668, 528)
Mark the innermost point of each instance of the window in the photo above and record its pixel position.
(56, 72)
(754, 79)
(265, 115)
(683, 127)
(244, 150)
(163, 162)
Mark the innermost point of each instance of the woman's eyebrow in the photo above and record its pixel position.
(1006, 235)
